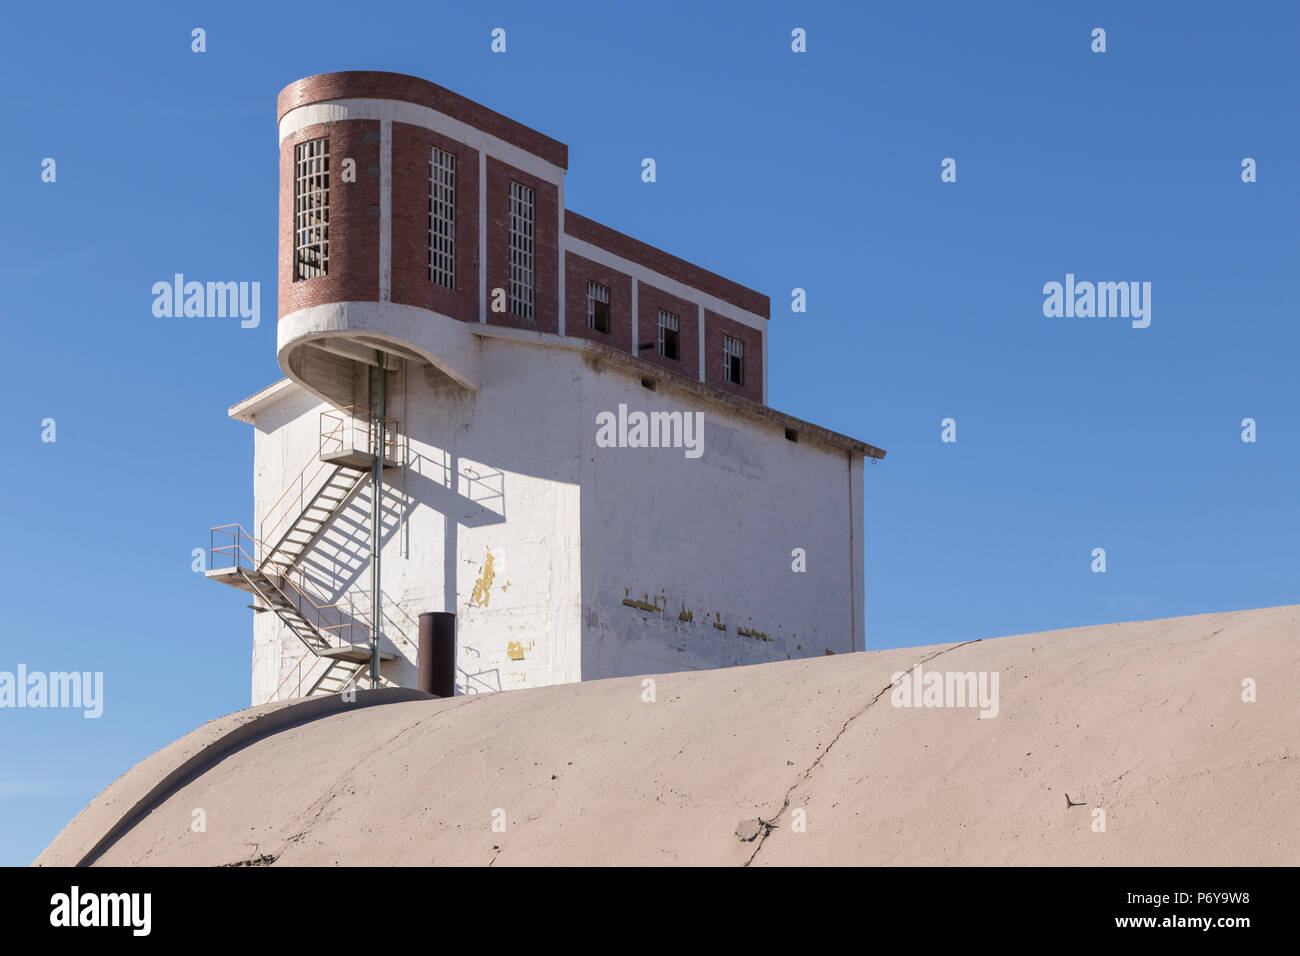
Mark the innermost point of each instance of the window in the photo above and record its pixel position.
(668, 326)
(597, 307)
(311, 209)
(442, 218)
(521, 250)
(733, 357)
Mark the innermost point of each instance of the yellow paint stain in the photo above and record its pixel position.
(829, 652)
(746, 632)
(717, 622)
(482, 587)
(515, 650)
(643, 605)
(505, 587)
(686, 615)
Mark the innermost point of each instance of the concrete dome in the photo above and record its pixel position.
(1144, 721)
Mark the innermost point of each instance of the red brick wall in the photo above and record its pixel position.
(546, 264)
(717, 326)
(412, 148)
(371, 84)
(577, 271)
(656, 260)
(649, 301)
(353, 223)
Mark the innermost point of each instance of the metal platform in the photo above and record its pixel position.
(356, 460)
(356, 653)
(229, 576)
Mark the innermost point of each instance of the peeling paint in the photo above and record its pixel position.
(482, 587)
(643, 605)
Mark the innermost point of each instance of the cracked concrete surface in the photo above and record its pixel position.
(767, 826)
(1144, 720)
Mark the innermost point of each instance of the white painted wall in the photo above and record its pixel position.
(499, 468)
(512, 471)
(712, 537)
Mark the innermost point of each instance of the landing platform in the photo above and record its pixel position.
(356, 653)
(356, 460)
(229, 576)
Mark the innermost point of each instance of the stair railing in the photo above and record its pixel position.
(235, 544)
(294, 497)
(333, 619)
(341, 429)
(355, 429)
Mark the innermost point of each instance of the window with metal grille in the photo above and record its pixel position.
(442, 218)
(311, 209)
(733, 358)
(668, 328)
(522, 244)
(597, 307)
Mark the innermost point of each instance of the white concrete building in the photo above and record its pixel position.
(521, 493)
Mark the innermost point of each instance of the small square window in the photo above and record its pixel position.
(733, 356)
(669, 326)
(597, 307)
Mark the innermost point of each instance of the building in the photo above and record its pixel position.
(578, 460)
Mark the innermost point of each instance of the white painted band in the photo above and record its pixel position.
(399, 111)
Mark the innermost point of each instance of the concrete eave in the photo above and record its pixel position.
(709, 393)
(246, 410)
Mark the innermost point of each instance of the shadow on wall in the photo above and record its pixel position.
(337, 560)
(479, 682)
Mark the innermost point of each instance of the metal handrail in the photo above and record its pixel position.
(349, 418)
(320, 609)
(239, 555)
(302, 485)
(275, 694)
(235, 549)
(381, 439)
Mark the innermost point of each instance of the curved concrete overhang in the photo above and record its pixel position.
(351, 332)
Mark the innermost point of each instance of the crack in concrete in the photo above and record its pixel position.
(318, 808)
(767, 826)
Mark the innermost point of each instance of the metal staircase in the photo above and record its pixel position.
(306, 526)
(269, 566)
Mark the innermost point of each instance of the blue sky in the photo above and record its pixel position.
(817, 170)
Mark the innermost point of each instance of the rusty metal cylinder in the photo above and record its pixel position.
(437, 660)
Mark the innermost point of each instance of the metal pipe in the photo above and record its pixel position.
(376, 520)
(437, 654)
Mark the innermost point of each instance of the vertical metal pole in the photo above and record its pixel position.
(376, 520)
